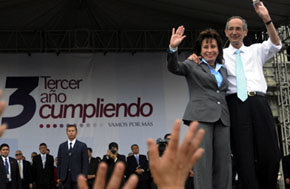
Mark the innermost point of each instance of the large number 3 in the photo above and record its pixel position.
(24, 85)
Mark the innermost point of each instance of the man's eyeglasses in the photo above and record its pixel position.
(18, 154)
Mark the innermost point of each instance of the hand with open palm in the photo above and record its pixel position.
(177, 37)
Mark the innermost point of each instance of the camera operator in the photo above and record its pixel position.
(162, 144)
(111, 158)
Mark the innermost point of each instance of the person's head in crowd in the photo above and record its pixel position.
(135, 149)
(43, 148)
(90, 151)
(236, 30)
(4, 149)
(48, 151)
(33, 154)
(209, 45)
(113, 147)
(19, 155)
(71, 131)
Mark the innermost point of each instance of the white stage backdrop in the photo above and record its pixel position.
(117, 97)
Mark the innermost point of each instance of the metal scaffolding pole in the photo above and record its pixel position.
(280, 63)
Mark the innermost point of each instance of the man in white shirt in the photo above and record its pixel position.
(138, 164)
(9, 172)
(43, 168)
(25, 170)
(253, 134)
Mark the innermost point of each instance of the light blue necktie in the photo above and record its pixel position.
(241, 78)
(137, 159)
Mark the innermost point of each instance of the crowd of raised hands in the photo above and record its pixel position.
(179, 158)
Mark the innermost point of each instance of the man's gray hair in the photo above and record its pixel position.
(245, 25)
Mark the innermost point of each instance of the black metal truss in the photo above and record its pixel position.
(88, 41)
(280, 62)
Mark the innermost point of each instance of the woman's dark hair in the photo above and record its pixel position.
(209, 34)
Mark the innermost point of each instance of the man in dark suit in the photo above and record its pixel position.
(43, 169)
(92, 170)
(25, 171)
(138, 164)
(9, 172)
(112, 157)
(33, 154)
(72, 159)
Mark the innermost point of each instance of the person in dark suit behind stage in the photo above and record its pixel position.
(72, 159)
(92, 170)
(43, 169)
(25, 170)
(33, 154)
(9, 171)
(207, 84)
(112, 157)
(138, 164)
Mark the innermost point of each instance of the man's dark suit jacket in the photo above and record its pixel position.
(27, 174)
(15, 178)
(111, 164)
(207, 101)
(79, 160)
(43, 176)
(93, 166)
(132, 166)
